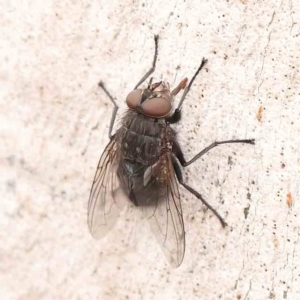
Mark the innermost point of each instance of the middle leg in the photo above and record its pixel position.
(179, 154)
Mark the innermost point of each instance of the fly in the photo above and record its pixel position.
(142, 162)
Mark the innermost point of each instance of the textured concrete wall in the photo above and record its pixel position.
(54, 125)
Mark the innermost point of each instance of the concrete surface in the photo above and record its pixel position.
(54, 125)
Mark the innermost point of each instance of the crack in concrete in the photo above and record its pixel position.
(293, 256)
(272, 19)
(244, 28)
(250, 286)
(239, 277)
(265, 53)
(272, 294)
(291, 12)
(89, 138)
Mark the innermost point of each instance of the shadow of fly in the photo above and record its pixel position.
(142, 164)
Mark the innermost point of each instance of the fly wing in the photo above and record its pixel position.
(106, 198)
(165, 217)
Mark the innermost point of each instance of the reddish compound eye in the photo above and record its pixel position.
(156, 107)
(134, 98)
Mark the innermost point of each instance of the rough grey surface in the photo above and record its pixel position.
(54, 125)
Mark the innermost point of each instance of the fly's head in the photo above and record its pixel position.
(155, 101)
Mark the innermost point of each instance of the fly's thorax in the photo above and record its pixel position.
(142, 124)
(142, 138)
(155, 101)
(138, 147)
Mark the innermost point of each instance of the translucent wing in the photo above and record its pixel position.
(106, 198)
(165, 216)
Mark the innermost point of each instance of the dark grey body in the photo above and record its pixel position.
(143, 159)
(142, 141)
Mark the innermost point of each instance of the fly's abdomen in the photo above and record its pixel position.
(132, 180)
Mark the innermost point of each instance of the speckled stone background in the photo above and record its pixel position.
(54, 126)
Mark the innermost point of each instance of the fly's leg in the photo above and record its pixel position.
(179, 154)
(176, 146)
(176, 117)
(153, 64)
(116, 107)
(203, 62)
(195, 193)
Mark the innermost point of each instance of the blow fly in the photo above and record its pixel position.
(142, 163)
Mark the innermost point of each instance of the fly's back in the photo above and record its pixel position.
(140, 137)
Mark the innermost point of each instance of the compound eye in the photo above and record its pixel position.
(156, 107)
(134, 98)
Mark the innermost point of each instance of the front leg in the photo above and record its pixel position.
(152, 69)
(116, 107)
